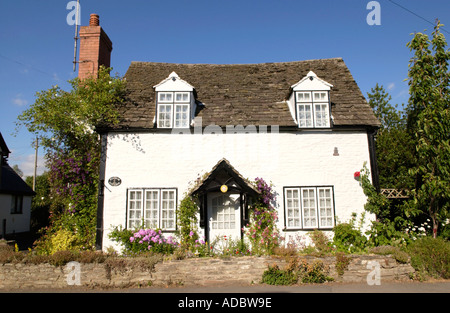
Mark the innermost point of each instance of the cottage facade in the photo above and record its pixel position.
(206, 129)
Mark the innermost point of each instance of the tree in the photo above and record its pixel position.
(429, 125)
(65, 122)
(17, 170)
(393, 143)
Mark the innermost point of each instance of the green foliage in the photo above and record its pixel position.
(296, 270)
(385, 233)
(321, 243)
(142, 241)
(393, 144)
(312, 273)
(429, 125)
(40, 204)
(348, 239)
(342, 262)
(225, 246)
(187, 223)
(276, 276)
(262, 230)
(65, 122)
(64, 240)
(376, 203)
(430, 257)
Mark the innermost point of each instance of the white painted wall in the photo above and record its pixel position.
(15, 223)
(285, 159)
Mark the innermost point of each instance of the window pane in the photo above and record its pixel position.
(134, 208)
(182, 97)
(164, 115)
(325, 207)
(321, 115)
(309, 207)
(168, 209)
(304, 115)
(320, 96)
(151, 217)
(292, 208)
(181, 115)
(303, 96)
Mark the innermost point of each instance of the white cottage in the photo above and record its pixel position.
(303, 126)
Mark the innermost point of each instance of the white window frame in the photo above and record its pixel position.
(303, 122)
(174, 122)
(180, 122)
(319, 105)
(151, 221)
(314, 203)
(322, 120)
(135, 204)
(161, 94)
(167, 208)
(323, 208)
(141, 206)
(181, 94)
(160, 119)
(293, 212)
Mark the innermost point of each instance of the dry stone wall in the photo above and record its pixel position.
(195, 271)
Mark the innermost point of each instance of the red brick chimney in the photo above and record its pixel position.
(95, 49)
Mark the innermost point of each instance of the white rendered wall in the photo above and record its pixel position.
(15, 223)
(158, 160)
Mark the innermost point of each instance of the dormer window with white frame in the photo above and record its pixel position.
(310, 102)
(174, 103)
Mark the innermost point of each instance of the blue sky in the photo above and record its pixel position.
(36, 49)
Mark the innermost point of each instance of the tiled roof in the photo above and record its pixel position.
(245, 94)
(11, 183)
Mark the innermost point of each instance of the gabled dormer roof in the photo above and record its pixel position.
(173, 83)
(311, 82)
(245, 94)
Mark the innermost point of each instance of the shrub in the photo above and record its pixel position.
(262, 231)
(276, 276)
(143, 240)
(348, 239)
(342, 262)
(321, 242)
(313, 273)
(430, 257)
(187, 223)
(64, 240)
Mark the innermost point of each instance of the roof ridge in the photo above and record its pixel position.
(236, 64)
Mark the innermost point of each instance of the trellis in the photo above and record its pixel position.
(395, 193)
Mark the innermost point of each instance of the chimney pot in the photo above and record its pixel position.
(94, 20)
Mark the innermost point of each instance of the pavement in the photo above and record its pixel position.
(437, 286)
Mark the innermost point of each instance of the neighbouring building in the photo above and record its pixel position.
(15, 197)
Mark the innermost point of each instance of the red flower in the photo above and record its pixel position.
(357, 175)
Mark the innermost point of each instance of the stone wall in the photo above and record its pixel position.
(195, 271)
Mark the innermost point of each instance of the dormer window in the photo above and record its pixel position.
(173, 109)
(175, 103)
(310, 102)
(313, 109)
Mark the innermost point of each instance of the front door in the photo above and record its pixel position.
(224, 216)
